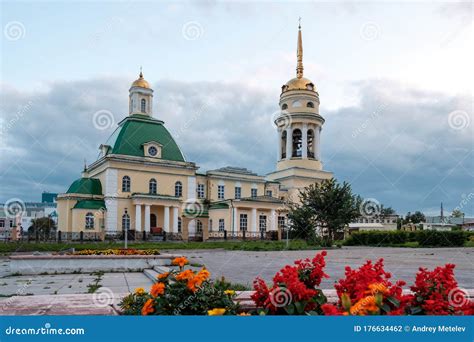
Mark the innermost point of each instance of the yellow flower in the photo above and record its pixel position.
(139, 291)
(216, 312)
(229, 292)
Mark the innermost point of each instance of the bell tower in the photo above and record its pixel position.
(299, 126)
(140, 97)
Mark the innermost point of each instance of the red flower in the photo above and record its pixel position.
(436, 293)
(293, 284)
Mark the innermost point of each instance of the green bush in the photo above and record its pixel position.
(441, 239)
(424, 238)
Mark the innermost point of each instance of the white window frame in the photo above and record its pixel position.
(89, 221)
(238, 192)
(243, 222)
(221, 225)
(262, 223)
(253, 192)
(220, 191)
(200, 190)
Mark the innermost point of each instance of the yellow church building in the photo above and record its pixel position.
(142, 184)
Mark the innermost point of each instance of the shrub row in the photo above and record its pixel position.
(425, 238)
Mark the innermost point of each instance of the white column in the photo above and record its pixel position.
(289, 142)
(273, 220)
(253, 224)
(147, 218)
(236, 221)
(138, 217)
(304, 141)
(317, 148)
(166, 223)
(175, 219)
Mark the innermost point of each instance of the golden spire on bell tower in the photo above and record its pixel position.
(299, 52)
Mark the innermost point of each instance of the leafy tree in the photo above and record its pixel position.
(386, 211)
(328, 204)
(417, 217)
(43, 225)
(457, 213)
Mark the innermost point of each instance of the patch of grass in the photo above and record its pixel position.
(469, 243)
(195, 264)
(92, 287)
(228, 245)
(223, 284)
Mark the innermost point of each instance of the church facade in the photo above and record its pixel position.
(142, 184)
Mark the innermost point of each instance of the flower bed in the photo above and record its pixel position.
(182, 292)
(367, 290)
(120, 251)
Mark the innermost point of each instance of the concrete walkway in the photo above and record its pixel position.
(243, 267)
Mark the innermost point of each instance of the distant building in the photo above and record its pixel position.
(12, 227)
(376, 222)
(446, 223)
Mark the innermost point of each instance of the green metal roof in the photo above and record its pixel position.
(221, 205)
(90, 204)
(192, 213)
(88, 186)
(136, 130)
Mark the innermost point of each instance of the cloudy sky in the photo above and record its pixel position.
(394, 78)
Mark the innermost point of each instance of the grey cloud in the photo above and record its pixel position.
(396, 145)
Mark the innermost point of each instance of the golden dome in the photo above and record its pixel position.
(299, 84)
(141, 82)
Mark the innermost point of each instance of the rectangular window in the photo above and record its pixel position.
(2, 224)
(12, 223)
(220, 191)
(269, 193)
(281, 222)
(253, 193)
(210, 225)
(221, 225)
(262, 223)
(200, 190)
(243, 222)
(238, 192)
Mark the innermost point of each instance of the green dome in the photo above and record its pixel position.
(136, 130)
(88, 186)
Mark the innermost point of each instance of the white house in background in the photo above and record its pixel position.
(368, 223)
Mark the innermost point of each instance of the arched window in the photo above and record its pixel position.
(126, 221)
(179, 224)
(178, 189)
(284, 106)
(126, 184)
(296, 143)
(310, 141)
(152, 186)
(199, 226)
(89, 221)
(310, 105)
(143, 106)
(283, 145)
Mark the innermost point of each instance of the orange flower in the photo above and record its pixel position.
(377, 288)
(163, 275)
(157, 289)
(148, 307)
(180, 261)
(244, 314)
(366, 305)
(204, 274)
(185, 275)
